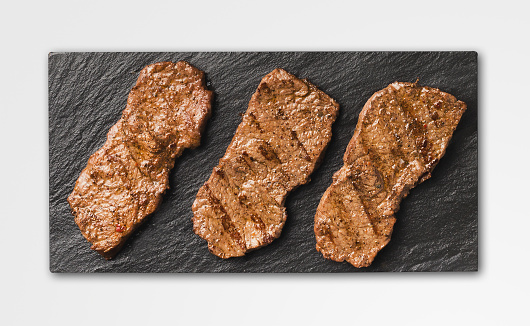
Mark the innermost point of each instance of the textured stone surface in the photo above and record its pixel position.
(437, 225)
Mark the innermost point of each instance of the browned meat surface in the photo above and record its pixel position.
(276, 147)
(124, 180)
(402, 133)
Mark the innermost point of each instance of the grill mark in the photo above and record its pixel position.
(226, 221)
(254, 120)
(292, 133)
(393, 132)
(241, 198)
(377, 163)
(324, 230)
(420, 133)
(265, 197)
(374, 159)
(233, 184)
(257, 220)
(260, 225)
(241, 159)
(137, 164)
(219, 172)
(378, 175)
(254, 176)
(174, 110)
(159, 145)
(252, 213)
(269, 153)
(295, 136)
(365, 207)
(339, 199)
(420, 142)
(127, 185)
(280, 174)
(246, 157)
(129, 189)
(397, 153)
(145, 117)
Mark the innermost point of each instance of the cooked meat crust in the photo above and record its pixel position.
(280, 141)
(402, 133)
(124, 180)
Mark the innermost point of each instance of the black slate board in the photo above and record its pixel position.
(437, 225)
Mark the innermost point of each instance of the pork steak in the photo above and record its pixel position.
(125, 179)
(280, 141)
(402, 133)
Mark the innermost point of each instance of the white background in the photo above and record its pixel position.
(497, 294)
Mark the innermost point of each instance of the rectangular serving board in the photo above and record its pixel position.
(437, 225)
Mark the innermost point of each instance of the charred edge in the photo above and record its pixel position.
(254, 121)
(217, 170)
(429, 168)
(110, 254)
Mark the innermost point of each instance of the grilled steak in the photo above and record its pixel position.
(402, 133)
(276, 147)
(124, 180)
